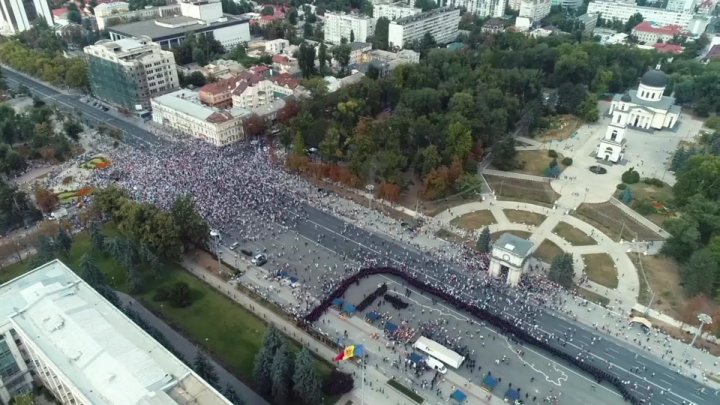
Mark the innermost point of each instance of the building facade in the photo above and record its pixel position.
(393, 11)
(128, 72)
(276, 46)
(681, 5)
(182, 111)
(19, 15)
(58, 331)
(648, 33)
(622, 11)
(481, 8)
(535, 10)
(441, 23)
(647, 107)
(340, 25)
(109, 14)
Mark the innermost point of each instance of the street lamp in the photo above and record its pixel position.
(370, 188)
(704, 319)
(216, 237)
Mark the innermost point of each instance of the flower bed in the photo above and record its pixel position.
(74, 195)
(98, 162)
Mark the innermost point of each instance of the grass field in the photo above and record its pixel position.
(614, 222)
(536, 192)
(474, 220)
(663, 275)
(406, 391)
(600, 268)
(573, 235)
(213, 321)
(593, 297)
(524, 217)
(547, 251)
(535, 161)
(662, 197)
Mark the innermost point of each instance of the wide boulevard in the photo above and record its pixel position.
(335, 234)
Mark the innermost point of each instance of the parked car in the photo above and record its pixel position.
(259, 260)
(234, 245)
(246, 252)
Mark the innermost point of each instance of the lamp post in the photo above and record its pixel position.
(370, 188)
(216, 237)
(704, 319)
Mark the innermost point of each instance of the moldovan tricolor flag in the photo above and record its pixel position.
(348, 353)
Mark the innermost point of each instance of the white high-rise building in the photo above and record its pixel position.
(393, 11)
(536, 10)
(130, 71)
(481, 8)
(18, 15)
(57, 330)
(441, 23)
(340, 25)
(681, 5)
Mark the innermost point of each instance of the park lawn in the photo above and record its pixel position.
(593, 296)
(663, 196)
(512, 189)
(573, 235)
(547, 251)
(663, 277)
(229, 331)
(474, 220)
(600, 268)
(524, 217)
(535, 162)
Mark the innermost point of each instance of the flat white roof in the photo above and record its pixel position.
(187, 102)
(93, 345)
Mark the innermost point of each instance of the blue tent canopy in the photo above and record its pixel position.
(416, 358)
(458, 396)
(349, 308)
(512, 394)
(372, 316)
(390, 327)
(490, 382)
(338, 302)
(293, 279)
(283, 274)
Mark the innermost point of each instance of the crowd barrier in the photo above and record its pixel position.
(501, 325)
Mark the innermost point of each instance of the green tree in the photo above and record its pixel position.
(700, 273)
(627, 196)
(483, 242)
(561, 270)
(63, 241)
(205, 369)
(329, 148)
(459, 141)
(306, 380)
(306, 59)
(684, 239)
(426, 5)
(633, 21)
(380, 37)
(72, 129)
(74, 16)
(113, 247)
(504, 153)
(90, 272)
(192, 227)
(322, 57)
(281, 376)
(97, 239)
(701, 176)
(298, 146)
(230, 394)
(180, 295)
(341, 53)
(352, 36)
(263, 366)
(588, 110)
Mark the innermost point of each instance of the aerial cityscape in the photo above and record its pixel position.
(293, 202)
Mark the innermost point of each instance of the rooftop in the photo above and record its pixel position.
(672, 29)
(664, 47)
(514, 244)
(172, 26)
(93, 345)
(665, 103)
(188, 102)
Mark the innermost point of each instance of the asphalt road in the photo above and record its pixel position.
(329, 231)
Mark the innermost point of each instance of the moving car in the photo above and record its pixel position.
(234, 245)
(259, 260)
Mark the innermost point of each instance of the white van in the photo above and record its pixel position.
(436, 364)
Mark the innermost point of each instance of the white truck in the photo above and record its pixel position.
(58, 214)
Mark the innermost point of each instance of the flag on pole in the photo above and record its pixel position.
(348, 353)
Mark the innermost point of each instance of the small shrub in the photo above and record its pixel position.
(567, 161)
(621, 186)
(180, 295)
(653, 181)
(552, 153)
(162, 294)
(645, 207)
(631, 176)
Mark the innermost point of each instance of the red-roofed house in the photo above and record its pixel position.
(219, 94)
(674, 49)
(649, 33)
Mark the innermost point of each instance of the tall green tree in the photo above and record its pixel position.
(97, 239)
(700, 274)
(561, 270)
(263, 366)
(205, 369)
(306, 381)
(306, 59)
(232, 396)
(322, 57)
(380, 37)
(504, 154)
(90, 272)
(341, 53)
(194, 230)
(282, 371)
(483, 242)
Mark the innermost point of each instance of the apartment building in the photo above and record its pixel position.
(393, 11)
(535, 10)
(481, 8)
(58, 331)
(129, 72)
(109, 14)
(623, 10)
(681, 5)
(441, 23)
(349, 26)
(18, 15)
(276, 46)
(182, 111)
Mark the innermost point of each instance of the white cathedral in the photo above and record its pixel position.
(645, 108)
